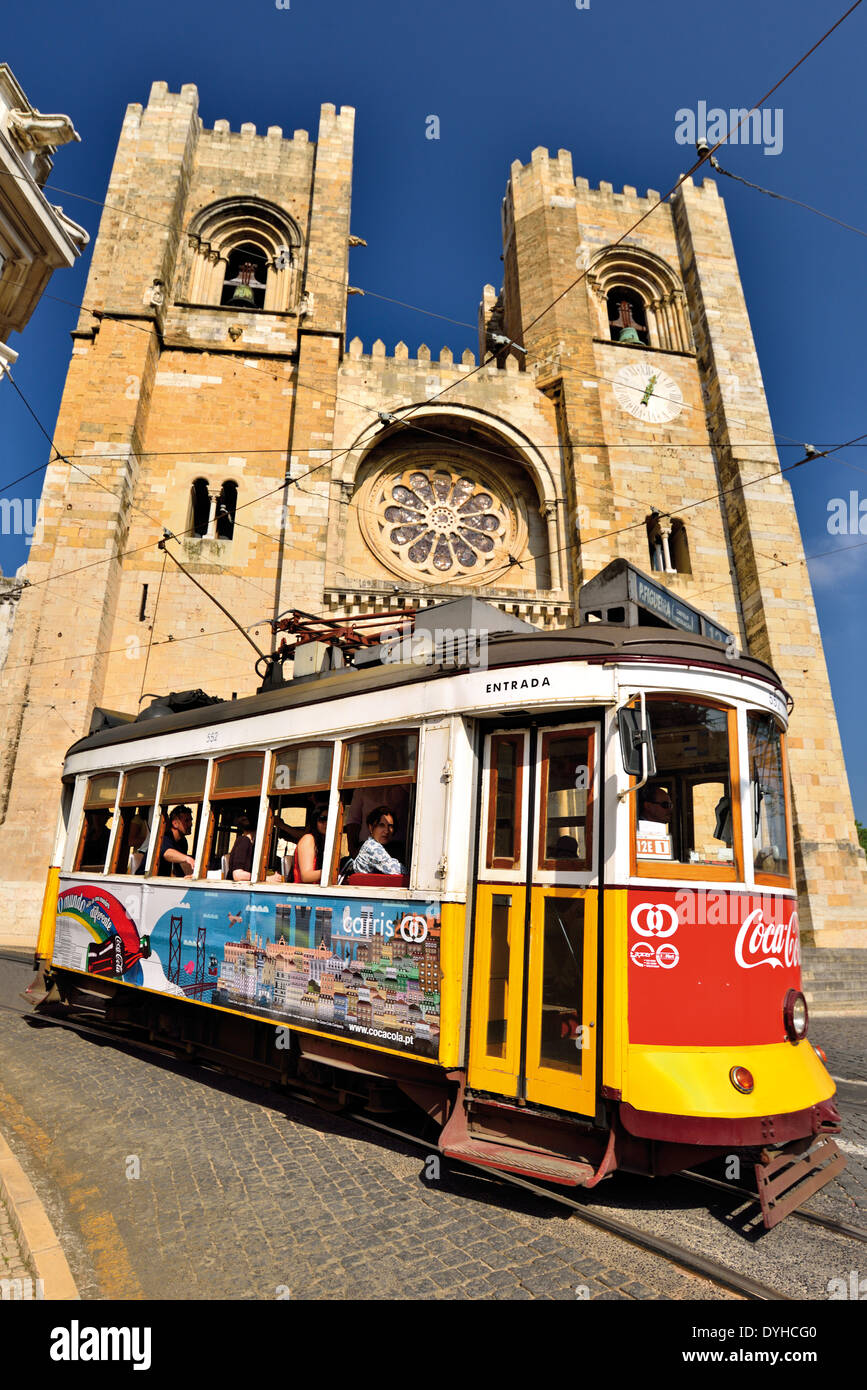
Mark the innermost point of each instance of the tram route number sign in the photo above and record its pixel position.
(653, 846)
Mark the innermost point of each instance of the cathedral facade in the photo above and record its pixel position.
(212, 394)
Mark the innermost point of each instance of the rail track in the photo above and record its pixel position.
(669, 1250)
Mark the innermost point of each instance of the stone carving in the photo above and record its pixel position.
(77, 235)
(31, 130)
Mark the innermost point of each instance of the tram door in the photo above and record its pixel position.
(533, 1032)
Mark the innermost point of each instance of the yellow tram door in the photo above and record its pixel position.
(533, 1026)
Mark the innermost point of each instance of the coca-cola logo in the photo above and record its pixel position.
(767, 943)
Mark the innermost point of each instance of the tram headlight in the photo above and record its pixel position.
(742, 1080)
(795, 1015)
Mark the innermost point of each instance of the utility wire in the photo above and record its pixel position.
(785, 199)
(403, 420)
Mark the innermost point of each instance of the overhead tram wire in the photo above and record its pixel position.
(571, 545)
(682, 179)
(783, 197)
(220, 632)
(675, 511)
(403, 420)
(253, 256)
(559, 550)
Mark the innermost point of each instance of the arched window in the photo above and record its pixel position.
(245, 284)
(200, 508)
(639, 299)
(243, 253)
(668, 545)
(627, 318)
(226, 510)
(679, 548)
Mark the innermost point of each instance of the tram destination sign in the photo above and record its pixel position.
(621, 593)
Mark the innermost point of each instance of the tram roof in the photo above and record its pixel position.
(594, 643)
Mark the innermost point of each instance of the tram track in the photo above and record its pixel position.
(676, 1254)
(840, 1228)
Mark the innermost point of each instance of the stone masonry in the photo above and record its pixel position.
(167, 386)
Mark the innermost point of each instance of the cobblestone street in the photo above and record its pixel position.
(13, 1262)
(168, 1182)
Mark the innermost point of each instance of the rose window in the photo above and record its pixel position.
(452, 524)
(444, 522)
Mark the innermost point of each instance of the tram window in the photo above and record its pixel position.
(97, 824)
(684, 813)
(566, 829)
(300, 776)
(137, 800)
(498, 986)
(378, 771)
(768, 787)
(183, 790)
(562, 984)
(234, 812)
(504, 801)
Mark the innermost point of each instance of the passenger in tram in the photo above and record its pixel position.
(309, 856)
(373, 858)
(240, 865)
(139, 833)
(565, 848)
(96, 838)
(365, 801)
(174, 861)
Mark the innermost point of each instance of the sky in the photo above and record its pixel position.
(604, 79)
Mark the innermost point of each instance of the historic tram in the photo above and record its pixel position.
(583, 953)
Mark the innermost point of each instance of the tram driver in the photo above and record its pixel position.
(653, 837)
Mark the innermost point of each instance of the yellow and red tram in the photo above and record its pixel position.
(590, 960)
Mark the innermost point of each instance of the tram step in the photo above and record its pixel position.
(524, 1162)
(792, 1174)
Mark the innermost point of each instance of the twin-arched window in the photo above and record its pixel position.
(668, 545)
(212, 510)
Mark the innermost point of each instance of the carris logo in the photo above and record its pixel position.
(658, 919)
(764, 943)
(413, 929)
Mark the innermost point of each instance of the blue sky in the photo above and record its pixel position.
(604, 82)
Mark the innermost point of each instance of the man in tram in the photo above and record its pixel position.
(653, 838)
(174, 861)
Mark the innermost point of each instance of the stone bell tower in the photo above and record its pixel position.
(741, 556)
(180, 402)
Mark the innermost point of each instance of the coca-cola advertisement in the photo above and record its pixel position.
(710, 969)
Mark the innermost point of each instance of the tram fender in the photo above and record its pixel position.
(742, 1132)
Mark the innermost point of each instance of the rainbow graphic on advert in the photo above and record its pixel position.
(95, 933)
